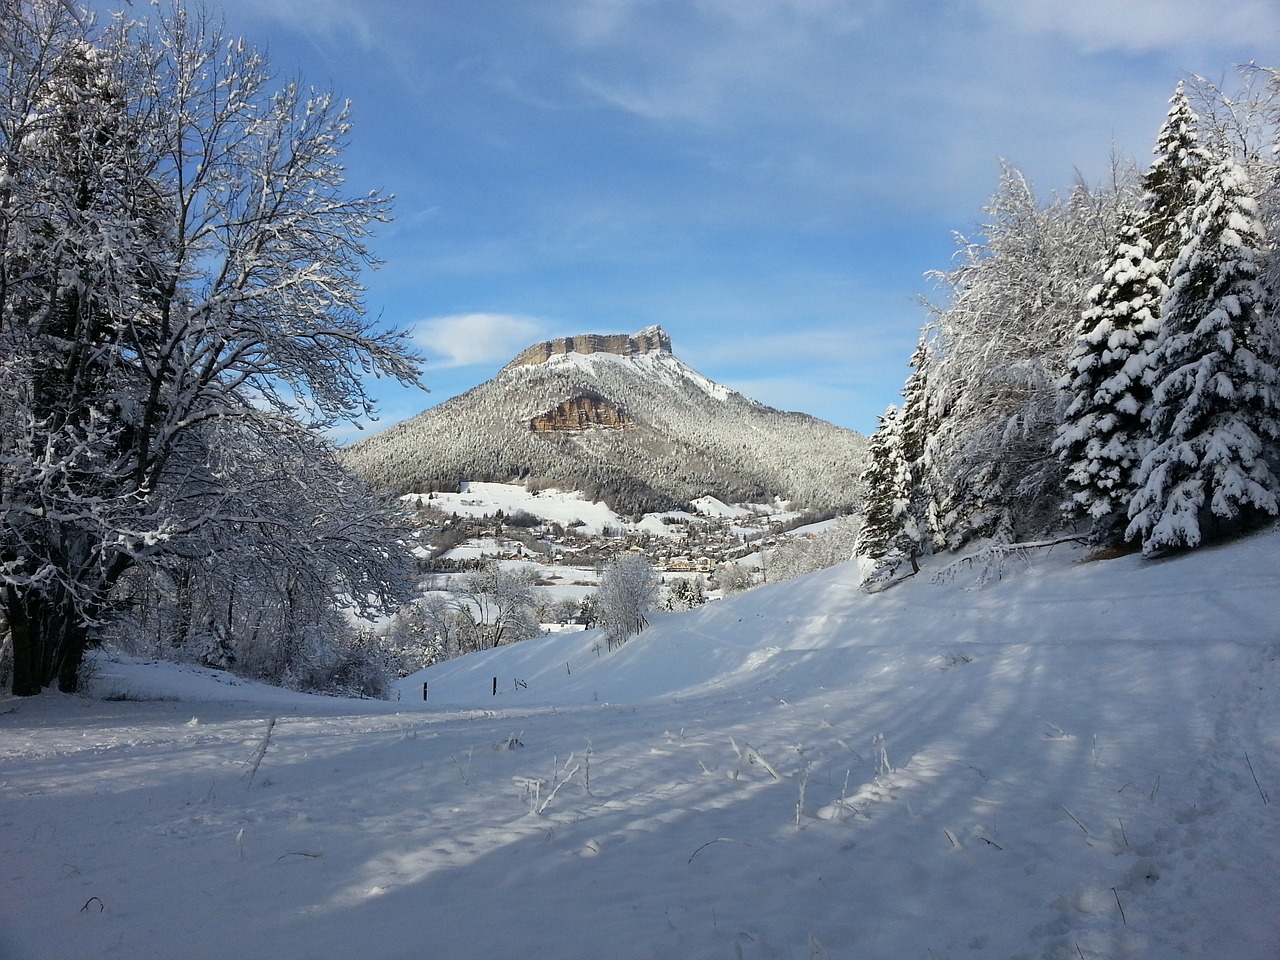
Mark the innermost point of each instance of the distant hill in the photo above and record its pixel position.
(623, 420)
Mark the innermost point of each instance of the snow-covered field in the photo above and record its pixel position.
(485, 499)
(1077, 760)
(482, 499)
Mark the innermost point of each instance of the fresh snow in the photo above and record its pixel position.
(486, 499)
(713, 507)
(655, 364)
(1057, 759)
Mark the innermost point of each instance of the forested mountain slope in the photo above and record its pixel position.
(621, 419)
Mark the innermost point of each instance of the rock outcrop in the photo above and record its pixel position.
(648, 340)
(579, 413)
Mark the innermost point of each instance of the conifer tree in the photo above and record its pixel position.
(1103, 436)
(882, 482)
(915, 402)
(1214, 403)
(896, 502)
(1170, 184)
(915, 425)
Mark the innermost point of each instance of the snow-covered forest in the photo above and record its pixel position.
(181, 317)
(1107, 359)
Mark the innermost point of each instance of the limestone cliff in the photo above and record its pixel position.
(579, 413)
(649, 340)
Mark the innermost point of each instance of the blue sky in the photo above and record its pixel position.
(769, 180)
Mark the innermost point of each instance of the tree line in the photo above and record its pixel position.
(496, 605)
(1108, 360)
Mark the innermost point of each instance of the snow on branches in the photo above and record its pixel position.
(180, 309)
(1216, 386)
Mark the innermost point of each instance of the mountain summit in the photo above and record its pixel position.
(649, 340)
(623, 420)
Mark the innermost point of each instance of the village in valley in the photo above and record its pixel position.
(570, 539)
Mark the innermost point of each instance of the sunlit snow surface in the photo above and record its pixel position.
(485, 499)
(1074, 760)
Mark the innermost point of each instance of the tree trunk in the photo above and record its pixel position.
(49, 640)
(75, 641)
(26, 646)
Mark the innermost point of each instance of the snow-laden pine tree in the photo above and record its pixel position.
(1214, 407)
(914, 427)
(1103, 435)
(886, 486)
(1171, 182)
(895, 500)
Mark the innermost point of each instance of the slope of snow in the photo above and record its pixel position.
(485, 499)
(659, 365)
(712, 507)
(1074, 760)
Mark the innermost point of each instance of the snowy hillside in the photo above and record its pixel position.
(1072, 760)
(554, 506)
(660, 435)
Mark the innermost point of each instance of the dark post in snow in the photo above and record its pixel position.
(424, 689)
(495, 686)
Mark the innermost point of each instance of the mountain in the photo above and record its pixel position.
(623, 420)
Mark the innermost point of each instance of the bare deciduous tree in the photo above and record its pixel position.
(628, 591)
(496, 606)
(180, 307)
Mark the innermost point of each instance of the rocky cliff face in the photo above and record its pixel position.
(578, 413)
(648, 340)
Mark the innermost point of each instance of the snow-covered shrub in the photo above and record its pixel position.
(628, 591)
(685, 593)
(363, 667)
(797, 555)
(730, 578)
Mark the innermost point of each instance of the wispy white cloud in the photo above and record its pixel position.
(895, 89)
(321, 20)
(468, 339)
(713, 61)
(1142, 25)
(768, 179)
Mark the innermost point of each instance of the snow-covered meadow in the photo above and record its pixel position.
(566, 507)
(1074, 759)
(478, 499)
